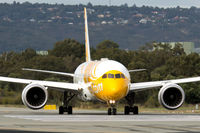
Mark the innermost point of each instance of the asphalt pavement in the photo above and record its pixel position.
(23, 120)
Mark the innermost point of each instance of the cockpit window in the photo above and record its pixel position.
(104, 76)
(117, 76)
(110, 75)
(123, 76)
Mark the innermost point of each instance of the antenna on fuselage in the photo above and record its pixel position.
(87, 44)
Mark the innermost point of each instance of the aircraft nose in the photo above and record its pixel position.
(117, 90)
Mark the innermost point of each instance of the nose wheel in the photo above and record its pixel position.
(112, 111)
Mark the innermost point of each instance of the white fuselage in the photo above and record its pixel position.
(114, 86)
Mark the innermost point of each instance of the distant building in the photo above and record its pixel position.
(100, 16)
(49, 21)
(90, 11)
(70, 23)
(32, 20)
(110, 22)
(197, 50)
(108, 15)
(188, 47)
(103, 22)
(42, 52)
(143, 21)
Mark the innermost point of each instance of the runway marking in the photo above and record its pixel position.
(168, 127)
(104, 118)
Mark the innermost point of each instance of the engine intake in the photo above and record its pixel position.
(171, 96)
(34, 96)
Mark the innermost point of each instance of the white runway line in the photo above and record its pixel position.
(104, 118)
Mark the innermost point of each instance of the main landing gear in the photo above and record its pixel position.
(131, 108)
(66, 108)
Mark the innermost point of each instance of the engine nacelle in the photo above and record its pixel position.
(171, 96)
(34, 96)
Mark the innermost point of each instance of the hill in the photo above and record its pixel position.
(39, 26)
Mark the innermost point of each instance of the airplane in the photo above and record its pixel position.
(103, 80)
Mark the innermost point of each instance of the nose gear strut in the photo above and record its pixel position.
(112, 110)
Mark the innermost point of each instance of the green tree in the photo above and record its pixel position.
(107, 44)
(68, 47)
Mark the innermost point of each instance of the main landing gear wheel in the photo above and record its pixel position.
(128, 109)
(65, 109)
(112, 111)
(130, 100)
(67, 98)
(61, 110)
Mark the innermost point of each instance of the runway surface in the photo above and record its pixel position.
(22, 120)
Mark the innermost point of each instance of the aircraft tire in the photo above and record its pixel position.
(69, 110)
(126, 110)
(61, 110)
(109, 111)
(135, 110)
(114, 111)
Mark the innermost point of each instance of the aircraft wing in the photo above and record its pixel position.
(148, 85)
(51, 84)
(137, 70)
(52, 72)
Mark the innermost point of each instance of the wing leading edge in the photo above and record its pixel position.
(148, 85)
(58, 85)
(51, 72)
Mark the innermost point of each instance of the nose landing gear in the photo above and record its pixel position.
(112, 110)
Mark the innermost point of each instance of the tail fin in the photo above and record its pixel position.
(87, 44)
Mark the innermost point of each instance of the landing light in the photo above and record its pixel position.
(112, 101)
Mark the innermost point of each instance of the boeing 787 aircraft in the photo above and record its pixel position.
(104, 80)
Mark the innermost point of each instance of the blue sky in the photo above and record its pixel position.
(160, 3)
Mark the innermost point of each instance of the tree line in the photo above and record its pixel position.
(161, 61)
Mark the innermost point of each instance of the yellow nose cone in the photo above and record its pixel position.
(113, 89)
(116, 90)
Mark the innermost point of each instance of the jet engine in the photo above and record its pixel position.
(35, 96)
(171, 96)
